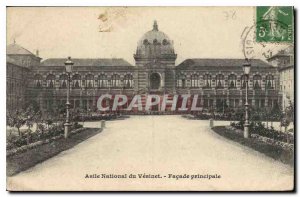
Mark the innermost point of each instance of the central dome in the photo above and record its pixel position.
(154, 44)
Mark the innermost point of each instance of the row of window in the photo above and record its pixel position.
(220, 81)
(76, 82)
(87, 77)
(155, 42)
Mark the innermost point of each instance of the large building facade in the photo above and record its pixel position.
(217, 82)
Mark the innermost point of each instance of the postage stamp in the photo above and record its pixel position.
(274, 24)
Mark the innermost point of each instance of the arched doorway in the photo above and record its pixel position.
(155, 81)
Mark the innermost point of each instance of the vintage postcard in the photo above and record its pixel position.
(150, 98)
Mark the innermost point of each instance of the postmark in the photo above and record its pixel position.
(263, 49)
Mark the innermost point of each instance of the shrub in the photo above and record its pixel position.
(20, 141)
(259, 129)
(238, 125)
(77, 126)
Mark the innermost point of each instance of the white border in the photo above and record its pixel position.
(5, 3)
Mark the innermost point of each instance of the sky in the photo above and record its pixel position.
(113, 32)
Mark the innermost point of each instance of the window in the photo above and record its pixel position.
(50, 81)
(145, 42)
(155, 41)
(231, 81)
(220, 81)
(89, 81)
(207, 80)
(179, 83)
(195, 81)
(63, 79)
(181, 80)
(115, 81)
(183, 83)
(243, 81)
(270, 82)
(76, 79)
(257, 82)
(128, 81)
(103, 82)
(38, 81)
(165, 42)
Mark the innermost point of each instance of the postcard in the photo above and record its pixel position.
(150, 98)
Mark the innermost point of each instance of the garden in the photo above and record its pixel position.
(265, 138)
(37, 127)
(33, 137)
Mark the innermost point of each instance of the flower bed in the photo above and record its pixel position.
(259, 129)
(42, 151)
(276, 149)
(284, 145)
(17, 144)
(96, 117)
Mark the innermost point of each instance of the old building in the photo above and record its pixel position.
(284, 61)
(19, 62)
(218, 82)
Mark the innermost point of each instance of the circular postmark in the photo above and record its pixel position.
(259, 42)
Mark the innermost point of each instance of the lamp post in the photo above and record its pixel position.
(246, 68)
(69, 64)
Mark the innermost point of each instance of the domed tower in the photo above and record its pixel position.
(155, 60)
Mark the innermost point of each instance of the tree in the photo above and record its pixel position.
(26, 116)
(16, 119)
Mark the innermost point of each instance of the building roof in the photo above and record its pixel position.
(15, 49)
(221, 63)
(11, 60)
(288, 67)
(287, 52)
(87, 62)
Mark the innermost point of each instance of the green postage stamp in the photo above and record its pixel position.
(274, 24)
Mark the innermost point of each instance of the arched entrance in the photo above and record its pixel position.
(155, 81)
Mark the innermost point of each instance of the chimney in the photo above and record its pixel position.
(37, 53)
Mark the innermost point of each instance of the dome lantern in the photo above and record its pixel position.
(155, 26)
